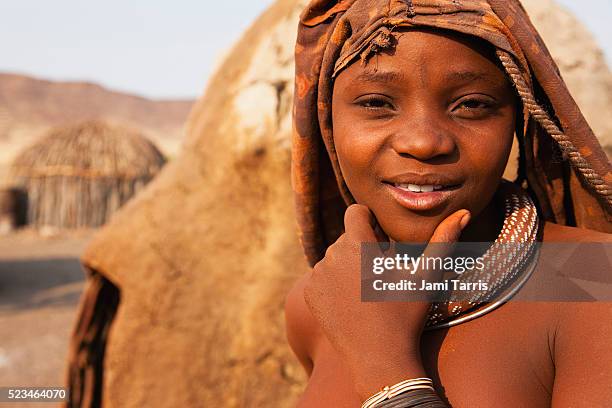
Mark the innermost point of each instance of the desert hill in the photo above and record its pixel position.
(30, 106)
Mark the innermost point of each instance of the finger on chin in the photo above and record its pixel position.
(443, 240)
(449, 230)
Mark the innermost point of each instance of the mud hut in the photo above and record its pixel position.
(77, 176)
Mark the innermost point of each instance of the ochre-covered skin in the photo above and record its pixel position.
(520, 355)
(411, 116)
(357, 128)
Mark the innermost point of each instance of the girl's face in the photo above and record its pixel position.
(423, 132)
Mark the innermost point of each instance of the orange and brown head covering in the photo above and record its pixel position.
(561, 161)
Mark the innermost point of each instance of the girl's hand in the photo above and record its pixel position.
(379, 341)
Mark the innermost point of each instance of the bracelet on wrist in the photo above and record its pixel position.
(389, 392)
(425, 398)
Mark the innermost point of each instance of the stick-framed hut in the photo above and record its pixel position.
(76, 176)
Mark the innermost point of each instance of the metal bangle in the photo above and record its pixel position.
(424, 398)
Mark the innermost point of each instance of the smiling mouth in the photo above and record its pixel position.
(423, 188)
(422, 197)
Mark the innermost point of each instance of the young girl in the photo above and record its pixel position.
(404, 114)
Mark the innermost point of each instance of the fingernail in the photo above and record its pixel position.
(465, 220)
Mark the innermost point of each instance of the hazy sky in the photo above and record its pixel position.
(155, 48)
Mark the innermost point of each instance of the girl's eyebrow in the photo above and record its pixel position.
(397, 76)
(380, 76)
(468, 76)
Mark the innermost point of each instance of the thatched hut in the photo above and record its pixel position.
(77, 176)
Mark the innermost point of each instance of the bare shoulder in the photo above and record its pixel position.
(561, 233)
(592, 265)
(582, 332)
(583, 356)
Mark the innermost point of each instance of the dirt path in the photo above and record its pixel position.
(40, 285)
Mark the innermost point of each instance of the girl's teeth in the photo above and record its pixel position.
(420, 189)
(427, 189)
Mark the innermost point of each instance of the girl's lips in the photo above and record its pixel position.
(421, 201)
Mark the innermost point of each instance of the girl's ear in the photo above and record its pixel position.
(319, 11)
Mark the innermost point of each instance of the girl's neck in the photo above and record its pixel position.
(486, 226)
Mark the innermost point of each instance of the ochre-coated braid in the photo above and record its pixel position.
(541, 116)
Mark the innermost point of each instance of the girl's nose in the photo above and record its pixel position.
(423, 139)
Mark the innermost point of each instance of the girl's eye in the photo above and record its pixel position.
(475, 108)
(475, 104)
(375, 104)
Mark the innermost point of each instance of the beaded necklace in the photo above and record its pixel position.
(508, 262)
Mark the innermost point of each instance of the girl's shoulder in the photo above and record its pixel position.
(581, 330)
(562, 233)
(574, 265)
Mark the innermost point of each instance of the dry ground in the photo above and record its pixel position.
(40, 285)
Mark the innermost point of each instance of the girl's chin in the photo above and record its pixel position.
(402, 225)
(419, 234)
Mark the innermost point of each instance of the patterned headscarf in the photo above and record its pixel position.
(561, 162)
